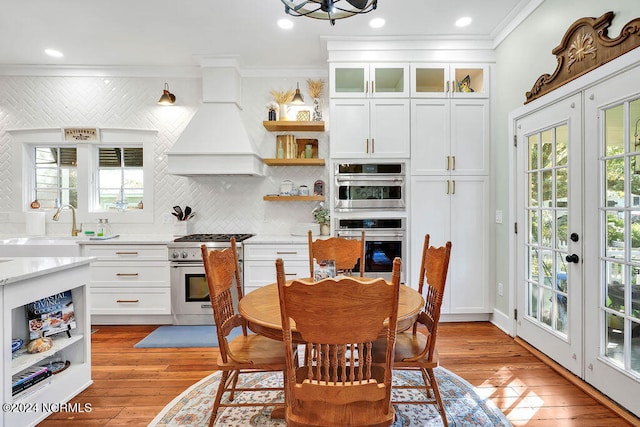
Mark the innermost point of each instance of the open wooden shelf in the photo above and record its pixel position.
(293, 162)
(292, 125)
(293, 198)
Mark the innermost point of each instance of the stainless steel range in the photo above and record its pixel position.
(189, 291)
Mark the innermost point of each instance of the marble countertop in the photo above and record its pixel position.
(21, 268)
(141, 239)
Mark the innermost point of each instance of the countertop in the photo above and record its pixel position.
(16, 269)
(144, 239)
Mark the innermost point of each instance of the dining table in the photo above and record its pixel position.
(261, 309)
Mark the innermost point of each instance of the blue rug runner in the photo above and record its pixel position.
(183, 336)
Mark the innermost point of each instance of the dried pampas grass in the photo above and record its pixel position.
(315, 87)
(282, 97)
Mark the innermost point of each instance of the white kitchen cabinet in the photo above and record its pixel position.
(260, 263)
(129, 280)
(375, 80)
(441, 80)
(370, 128)
(455, 209)
(40, 400)
(450, 137)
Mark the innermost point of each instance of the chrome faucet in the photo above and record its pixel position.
(56, 216)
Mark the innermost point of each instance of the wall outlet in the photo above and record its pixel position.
(500, 289)
(167, 218)
(498, 217)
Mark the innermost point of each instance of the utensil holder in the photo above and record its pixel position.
(181, 228)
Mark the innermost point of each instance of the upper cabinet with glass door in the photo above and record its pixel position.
(357, 80)
(436, 80)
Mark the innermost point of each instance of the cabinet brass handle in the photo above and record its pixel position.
(373, 86)
(447, 86)
(367, 147)
(448, 186)
(290, 274)
(453, 85)
(127, 274)
(127, 253)
(127, 300)
(454, 187)
(366, 86)
(373, 145)
(448, 162)
(454, 163)
(287, 253)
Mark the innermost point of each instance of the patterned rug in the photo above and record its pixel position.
(463, 405)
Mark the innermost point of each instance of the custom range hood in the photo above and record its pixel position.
(215, 142)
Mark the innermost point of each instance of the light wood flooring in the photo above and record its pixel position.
(132, 385)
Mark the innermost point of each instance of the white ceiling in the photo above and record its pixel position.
(171, 32)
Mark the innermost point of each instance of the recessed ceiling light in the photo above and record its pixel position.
(54, 53)
(285, 24)
(377, 23)
(463, 22)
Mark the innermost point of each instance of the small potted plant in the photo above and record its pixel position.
(322, 217)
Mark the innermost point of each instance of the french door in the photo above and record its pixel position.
(612, 297)
(549, 231)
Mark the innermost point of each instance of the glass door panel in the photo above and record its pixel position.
(620, 260)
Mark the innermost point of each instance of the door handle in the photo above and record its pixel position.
(367, 148)
(572, 258)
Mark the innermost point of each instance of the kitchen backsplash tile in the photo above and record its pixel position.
(223, 204)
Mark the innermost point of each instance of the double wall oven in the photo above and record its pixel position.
(371, 197)
(189, 290)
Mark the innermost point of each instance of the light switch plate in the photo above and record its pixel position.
(498, 217)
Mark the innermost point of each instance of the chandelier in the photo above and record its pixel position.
(328, 9)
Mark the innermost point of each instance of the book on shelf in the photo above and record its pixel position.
(29, 377)
(51, 315)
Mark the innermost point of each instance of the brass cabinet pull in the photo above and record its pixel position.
(367, 147)
(373, 145)
(448, 186)
(447, 86)
(127, 253)
(453, 86)
(127, 274)
(448, 162)
(454, 163)
(373, 86)
(287, 253)
(454, 187)
(127, 300)
(366, 86)
(290, 274)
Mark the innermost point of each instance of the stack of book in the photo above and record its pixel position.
(29, 377)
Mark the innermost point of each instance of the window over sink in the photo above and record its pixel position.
(110, 176)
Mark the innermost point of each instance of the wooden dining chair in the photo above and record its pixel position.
(336, 383)
(414, 349)
(345, 252)
(247, 353)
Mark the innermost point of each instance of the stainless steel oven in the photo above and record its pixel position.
(385, 239)
(190, 303)
(373, 186)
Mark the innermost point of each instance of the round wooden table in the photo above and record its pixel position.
(261, 308)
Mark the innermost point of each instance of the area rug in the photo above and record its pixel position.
(183, 336)
(463, 405)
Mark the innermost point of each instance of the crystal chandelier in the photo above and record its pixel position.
(328, 9)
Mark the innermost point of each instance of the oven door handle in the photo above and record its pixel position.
(186, 264)
(362, 180)
(369, 236)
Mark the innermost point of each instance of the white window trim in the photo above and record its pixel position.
(30, 138)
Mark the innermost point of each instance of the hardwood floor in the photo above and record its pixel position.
(132, 385)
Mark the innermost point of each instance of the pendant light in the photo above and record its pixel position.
(167, 97)
(297, 98)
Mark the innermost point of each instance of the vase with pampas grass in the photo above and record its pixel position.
(282, 98)
(315, 90)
